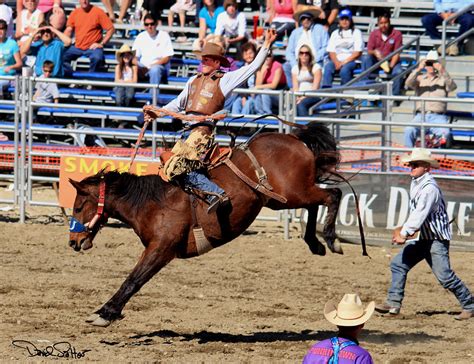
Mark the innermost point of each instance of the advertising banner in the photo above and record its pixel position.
(78, 167)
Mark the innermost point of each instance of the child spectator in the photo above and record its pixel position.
(344, 48)
(306, 76)
(244, 104)
(46, 92)
(28, 20)
(10, 59)
(6, 14)
(50, 46)
(125, 72)
(180, 7)
(232, 24)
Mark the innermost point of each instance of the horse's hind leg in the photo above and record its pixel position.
(310, 233)
(311, 199)
(329, 230)
(155, 257)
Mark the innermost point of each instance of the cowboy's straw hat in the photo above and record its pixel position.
(349, 312)
(312, 11)
(420, 155)
(215, 51)
(125, 48)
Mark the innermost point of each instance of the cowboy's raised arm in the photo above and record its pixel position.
(234, 79)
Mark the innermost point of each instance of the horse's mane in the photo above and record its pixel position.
(133, 189)
(323, 144)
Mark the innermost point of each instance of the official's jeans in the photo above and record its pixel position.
(432, 21)
(345, 72)
(368, 61)
(96, 56)
(199, 180)
(124, 95)
(411, 133)
(436, 254)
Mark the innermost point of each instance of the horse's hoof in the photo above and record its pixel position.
(92, 317)
(101, 322)
(336, 247)
(320, 250)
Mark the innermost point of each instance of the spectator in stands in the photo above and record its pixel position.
(243, 104)
(6, 14)
(199, 6)
(46, 92)
(155, 8)
(328, 10)
(269, 77)
(382, 42)
(207, 21)
(306, 77)
(87, 22)
(10, 60)
(435, 82)
(53, 12)
(281, 16)
(28, 20)
(232, 25)
(153, 51)
(125, 72)
(50, 46)
(309, 33)
(350, 317)
(180, 7)
(345, 47)
(109, 6)
(443, 10)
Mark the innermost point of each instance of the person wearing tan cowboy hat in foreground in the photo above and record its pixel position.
(205, 94)
(427, 215)
(349, 316)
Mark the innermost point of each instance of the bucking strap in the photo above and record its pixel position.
(259, 170)
(256, 186)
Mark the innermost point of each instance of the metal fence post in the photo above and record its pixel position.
(16, 141)
(422, 126)
(26, 71)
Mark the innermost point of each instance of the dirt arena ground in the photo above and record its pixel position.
(258, 299)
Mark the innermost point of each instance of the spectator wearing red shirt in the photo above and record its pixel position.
(383, 41)
(87, 22)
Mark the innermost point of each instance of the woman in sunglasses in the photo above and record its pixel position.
(306, 76)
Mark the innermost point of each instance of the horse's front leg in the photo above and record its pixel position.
(155, 257)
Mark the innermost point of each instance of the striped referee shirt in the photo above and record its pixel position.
(427, 210)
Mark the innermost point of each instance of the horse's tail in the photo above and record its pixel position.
(322, 143)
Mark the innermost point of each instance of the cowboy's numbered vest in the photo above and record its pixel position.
(205, 96)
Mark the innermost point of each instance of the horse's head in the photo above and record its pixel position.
(88, 215)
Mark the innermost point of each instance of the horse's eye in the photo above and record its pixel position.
(77, 210)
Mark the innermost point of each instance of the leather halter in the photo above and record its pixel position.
(76, 226)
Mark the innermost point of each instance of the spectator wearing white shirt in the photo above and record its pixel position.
(153, 51)
(6, 14)
(231, 24)
(345, 47)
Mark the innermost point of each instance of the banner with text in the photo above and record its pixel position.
(78, 167)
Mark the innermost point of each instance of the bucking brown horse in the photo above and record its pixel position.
(166, 218)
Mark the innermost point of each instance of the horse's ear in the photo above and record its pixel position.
(78, 186)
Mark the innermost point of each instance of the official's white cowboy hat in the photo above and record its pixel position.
(349, 312)
(420, 155)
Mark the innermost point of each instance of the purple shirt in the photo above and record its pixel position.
(322, 351)
(394, 40)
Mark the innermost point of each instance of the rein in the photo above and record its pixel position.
(76, 226)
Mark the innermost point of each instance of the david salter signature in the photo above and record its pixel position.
(61, 349)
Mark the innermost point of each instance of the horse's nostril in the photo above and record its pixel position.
(72, 243)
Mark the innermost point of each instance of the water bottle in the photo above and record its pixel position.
(285, 39)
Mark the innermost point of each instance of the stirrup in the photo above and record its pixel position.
(217, 202)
